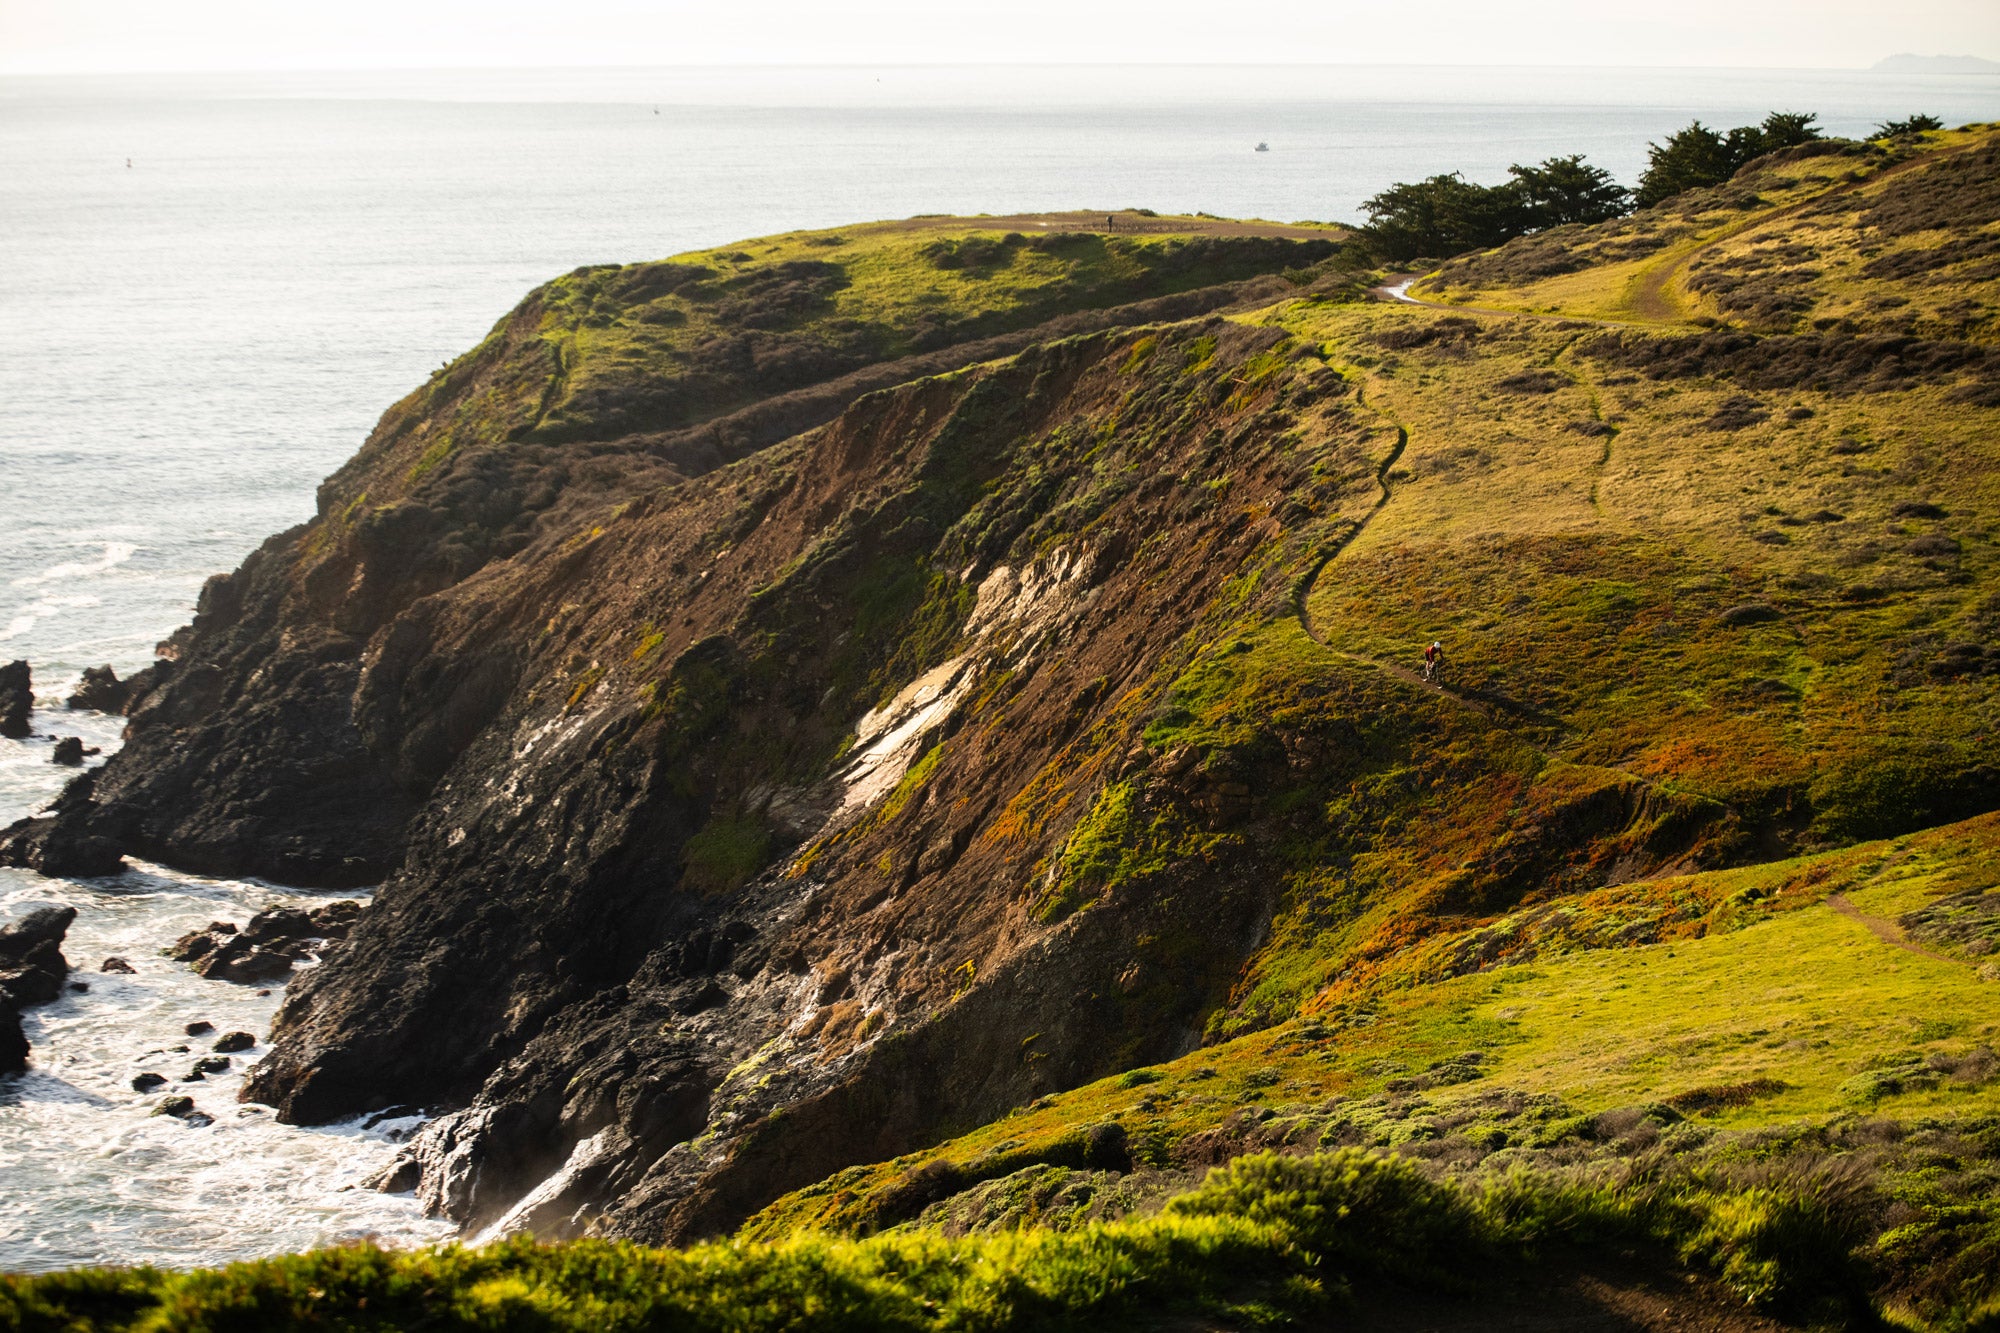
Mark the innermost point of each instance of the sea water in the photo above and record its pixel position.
(211, 286)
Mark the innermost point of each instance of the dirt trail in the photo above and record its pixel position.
(1121, 223)
(1491, 708)
(1399, 290)
(1883, 929)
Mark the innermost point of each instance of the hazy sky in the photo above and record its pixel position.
(56, 36)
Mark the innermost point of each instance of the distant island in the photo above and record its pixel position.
(1914, 64)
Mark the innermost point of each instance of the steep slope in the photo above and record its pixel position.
(1002, 724)
(601, 386)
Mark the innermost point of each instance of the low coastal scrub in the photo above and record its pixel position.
(1265, 1241)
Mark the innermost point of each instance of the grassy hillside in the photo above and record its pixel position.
(1725, 603)
(1659, 942)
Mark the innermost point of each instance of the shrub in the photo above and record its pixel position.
(1363, 1214)
(1908, 127)
(1787, 1247)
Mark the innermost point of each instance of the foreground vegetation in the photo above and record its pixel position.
(1266, 1240)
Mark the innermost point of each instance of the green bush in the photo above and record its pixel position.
(1887, 794)
(1365, 1215)
(1908, 128)
(1786, 1249)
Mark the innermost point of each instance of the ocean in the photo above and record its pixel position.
(211, 286)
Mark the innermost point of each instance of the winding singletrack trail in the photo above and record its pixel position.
(1883, 929)
(1492, 709)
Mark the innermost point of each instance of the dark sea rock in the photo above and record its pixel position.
(147, 1082)
(267, 946)
(279, 923)
(101, 691)
(68, 752)
(32, 971)
(13, 1042)
(231, 1042)
(184, 1110)
(32, 967)
(208, 1064)
(199, 1028)
(63, 841)
(197, 943)
(115, 964)
(244, 963)
(17, 699)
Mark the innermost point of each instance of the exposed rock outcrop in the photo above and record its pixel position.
(102, 691)
(265, 948)
(17, 699)
(284, 738)
(32, 972)
(66, 839)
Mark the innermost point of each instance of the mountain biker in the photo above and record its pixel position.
(1433, 661)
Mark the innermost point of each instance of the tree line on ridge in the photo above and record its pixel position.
(1447, 214)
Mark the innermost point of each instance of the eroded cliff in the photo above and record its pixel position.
(809, 707)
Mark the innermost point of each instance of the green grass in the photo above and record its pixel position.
(1526, 878)
(1761, 1007)
(1264, 1241)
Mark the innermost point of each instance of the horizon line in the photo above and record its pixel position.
(511, 68)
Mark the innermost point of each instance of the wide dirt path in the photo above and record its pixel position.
(1398, 289)
(1122, 223)
(1883, 929)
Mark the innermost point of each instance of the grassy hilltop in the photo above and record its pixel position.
(1661, 945)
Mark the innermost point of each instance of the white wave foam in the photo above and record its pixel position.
(41, 609)
(115, 554)
(92, 1176)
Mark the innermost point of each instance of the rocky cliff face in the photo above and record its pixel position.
(806, 705)
(635, 732)
(781, 779)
